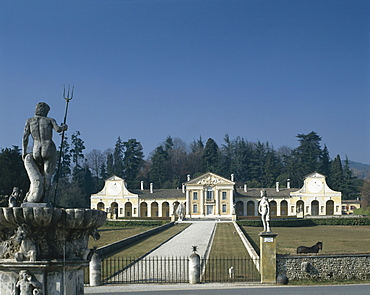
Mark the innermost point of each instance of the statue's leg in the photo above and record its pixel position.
(36, 190)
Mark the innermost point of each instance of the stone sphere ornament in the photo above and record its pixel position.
(282, 280)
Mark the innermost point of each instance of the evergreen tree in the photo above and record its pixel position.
(308, 152)
(77, 148)
(158, 173)
(211, 157)
(103, 172)
(133, 161)
(12, 171)
(195, 157)
(335, 180)
(365, 194)
(241, 162)
(110, 168)
(325, 162)
(351, 186)
(118, 167)
(227, 154)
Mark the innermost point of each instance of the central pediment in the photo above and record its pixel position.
(210, 179)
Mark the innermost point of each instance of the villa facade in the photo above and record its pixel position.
(213, 196)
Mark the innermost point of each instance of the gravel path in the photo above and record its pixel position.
(197, 234)
(169, 261)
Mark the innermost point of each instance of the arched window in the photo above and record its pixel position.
(239, 208)
(330, 207)
(283, 208)
(273, 208)
(154, 209)
(165, 209)
(128, 209)
(143, 209)
(315, 207)
(250, 208)
(100, 206)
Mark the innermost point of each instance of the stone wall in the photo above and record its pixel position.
(324, 267)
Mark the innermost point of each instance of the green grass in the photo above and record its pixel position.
(110, 234)
(336, 239)
(228, 250)
(227, 243)
(142, 247)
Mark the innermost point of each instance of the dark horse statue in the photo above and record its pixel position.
(314, 249)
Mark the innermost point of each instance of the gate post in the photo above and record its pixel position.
(268, 257)
(95, 270)
(194, 267)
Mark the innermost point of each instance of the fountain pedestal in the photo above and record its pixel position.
(43, 250)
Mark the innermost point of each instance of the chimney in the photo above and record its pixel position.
(288, 183)
(245, 187)
(151, 187)
(142, 185)
(188, 177)
(183, 188)
(232, 177)
(277, 186)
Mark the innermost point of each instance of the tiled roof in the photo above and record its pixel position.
(271, 192)
(160, 194)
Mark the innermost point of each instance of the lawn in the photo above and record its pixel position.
(110, 234)
(227, 243)
(335, 238)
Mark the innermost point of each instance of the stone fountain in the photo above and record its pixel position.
(43, 250)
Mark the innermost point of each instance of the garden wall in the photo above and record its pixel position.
(108, 250)
(324, 267)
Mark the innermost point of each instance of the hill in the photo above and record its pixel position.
(359, 170)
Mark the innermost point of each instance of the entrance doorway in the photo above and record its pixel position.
(209, 209)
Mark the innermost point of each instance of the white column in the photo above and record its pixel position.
(202, 202)
(187, 212)
(160, 213)
(149, 208)
(217, 196)
(231, 201)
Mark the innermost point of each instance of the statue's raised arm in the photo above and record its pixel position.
(41, 163)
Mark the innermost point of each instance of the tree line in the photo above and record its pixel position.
(258, 164)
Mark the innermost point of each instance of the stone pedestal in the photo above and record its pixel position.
(48, 277)
(43, 250)
(268, 257)
(194, 268)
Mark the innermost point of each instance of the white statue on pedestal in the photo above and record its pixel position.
(264, 210)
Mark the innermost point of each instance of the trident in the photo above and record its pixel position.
(67, 98)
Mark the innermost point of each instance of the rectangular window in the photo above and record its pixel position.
(223, 195)
(195, 196)
(135, 211)
(120, 210)
(195, 208)
(322, 209)
(292, 211)
(209, 195)
(223, 208)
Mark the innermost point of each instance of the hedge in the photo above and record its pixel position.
(127, 223)
(307, 222)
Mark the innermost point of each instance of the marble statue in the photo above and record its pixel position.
(41, 163)
(14, 197)
(180, 211)
(27, 284)
(264, 210)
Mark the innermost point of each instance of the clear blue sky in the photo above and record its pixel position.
(261, 69)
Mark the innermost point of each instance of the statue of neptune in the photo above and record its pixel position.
(41, 163)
